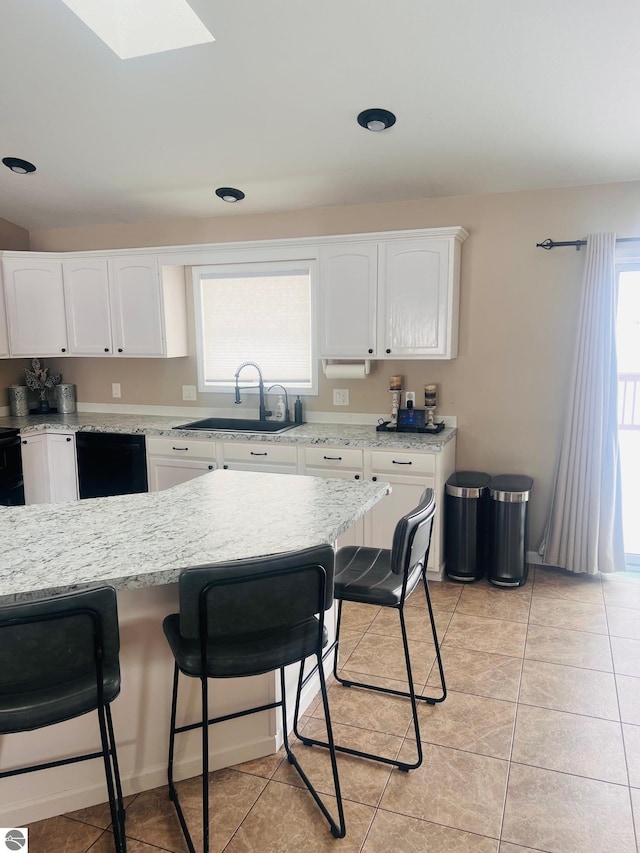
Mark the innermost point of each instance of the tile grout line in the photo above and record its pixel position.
(636, 829)
(515, 721)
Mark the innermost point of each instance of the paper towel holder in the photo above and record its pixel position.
(357, 365)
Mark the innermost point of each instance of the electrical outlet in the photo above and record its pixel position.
(188, 392)
(410, 396)
(340, 397)
(115, 389)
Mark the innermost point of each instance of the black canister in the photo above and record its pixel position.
(297, 411)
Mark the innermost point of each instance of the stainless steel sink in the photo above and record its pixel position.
(238, 425)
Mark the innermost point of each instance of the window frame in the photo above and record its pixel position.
(252, 263)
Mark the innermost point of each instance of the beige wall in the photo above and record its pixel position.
(12, 236)
(517, 316)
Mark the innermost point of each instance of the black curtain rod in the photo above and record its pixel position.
(553, 244)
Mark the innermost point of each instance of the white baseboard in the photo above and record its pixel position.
(533, 558)
(73, 799)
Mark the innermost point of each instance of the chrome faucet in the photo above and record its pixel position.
(287, 417)
(260, 386)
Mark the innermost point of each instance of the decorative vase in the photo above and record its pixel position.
(43, 406)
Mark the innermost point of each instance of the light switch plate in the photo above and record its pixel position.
(188, 392)
(340, 396)
(115, 389)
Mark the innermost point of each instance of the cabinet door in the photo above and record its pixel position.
(380, 522)
(4, 334)
(35, 307)
(86, 293)
(415, 299)
(348, 298)
(165, 472)
(35, 470)
(49, 468)
(63, 473)
(136, 307)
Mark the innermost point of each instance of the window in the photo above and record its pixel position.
(256, 312)
(628, 347)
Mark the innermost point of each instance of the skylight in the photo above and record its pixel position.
(141, 27)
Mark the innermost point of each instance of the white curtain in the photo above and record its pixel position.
(584, 529)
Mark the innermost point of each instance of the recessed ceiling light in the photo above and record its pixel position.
(376, 119)
(229, 194)
(20, 167)
(142, 27)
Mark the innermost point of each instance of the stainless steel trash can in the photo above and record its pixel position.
(465, 523)
(508, 510)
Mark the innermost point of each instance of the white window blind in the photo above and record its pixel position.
(262, 316)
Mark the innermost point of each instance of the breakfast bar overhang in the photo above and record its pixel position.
(139, 544)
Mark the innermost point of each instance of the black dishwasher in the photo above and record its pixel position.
(110, 464)
(11, 484)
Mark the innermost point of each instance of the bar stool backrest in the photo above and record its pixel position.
(412, 535)
(48, 657)
(262, 595)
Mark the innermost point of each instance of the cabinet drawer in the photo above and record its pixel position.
(332, 457)
(403, 462)
(259, 452)
(181, 447)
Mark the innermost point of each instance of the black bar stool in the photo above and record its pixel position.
(59, 660)
(384, 578)
(244, 618)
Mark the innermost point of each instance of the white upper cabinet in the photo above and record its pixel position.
(138, 327)
(391, 298)
(418, 299)
(148, 308)
(4, 334)
(86, 291)
(348, 300)
(35, 307)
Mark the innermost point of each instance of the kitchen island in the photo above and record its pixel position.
(139, 544)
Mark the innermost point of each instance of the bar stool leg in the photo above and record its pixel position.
(338, 830)
(173, 794)
(429, 699)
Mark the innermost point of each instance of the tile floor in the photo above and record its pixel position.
(537, 746)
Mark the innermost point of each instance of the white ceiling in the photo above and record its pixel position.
(490, 96)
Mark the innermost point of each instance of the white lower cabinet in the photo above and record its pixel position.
(49, 468)
(341, 463)
(409, 473)
(260, 456)
(173, 461)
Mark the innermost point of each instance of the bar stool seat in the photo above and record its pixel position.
(364, 575)
(253, 656)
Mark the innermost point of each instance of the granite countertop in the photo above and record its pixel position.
(142, 540)
(340, 435)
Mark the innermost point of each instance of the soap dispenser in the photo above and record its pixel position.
(280, 409)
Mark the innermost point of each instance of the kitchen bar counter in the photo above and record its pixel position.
(335, 435)
(139, 544)
(133, 541)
